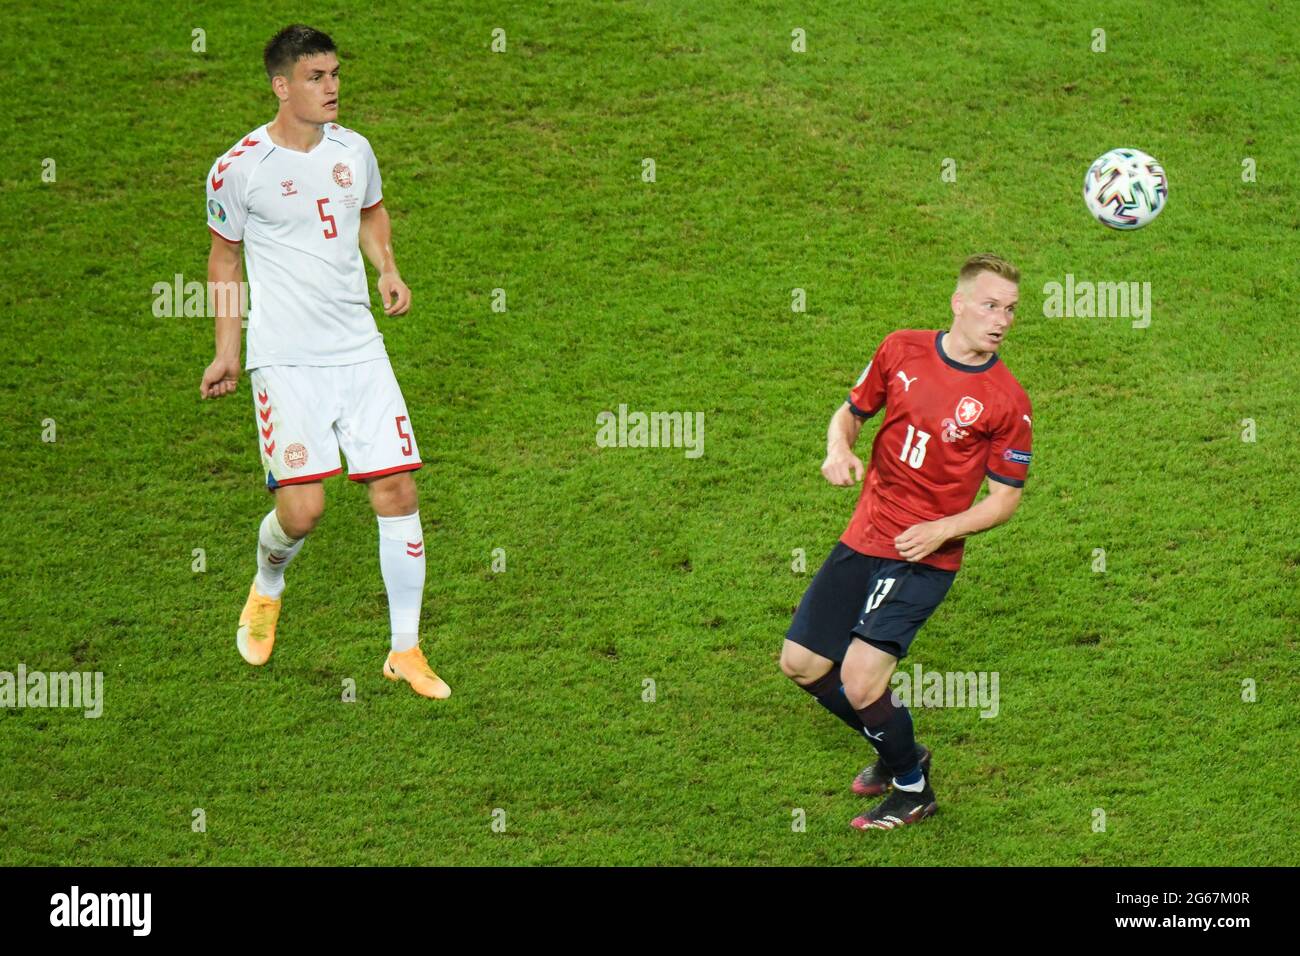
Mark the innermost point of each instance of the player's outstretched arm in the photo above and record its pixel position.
(377, 243)
(841, 466)
(225, 276)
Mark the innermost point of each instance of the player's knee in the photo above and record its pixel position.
(863, 684)
(797, 662)
(299, 525)
(299, 518)
(395, 495)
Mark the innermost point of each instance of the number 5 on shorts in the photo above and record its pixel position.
(405, 436)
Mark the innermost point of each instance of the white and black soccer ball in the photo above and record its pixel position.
(1125, 189)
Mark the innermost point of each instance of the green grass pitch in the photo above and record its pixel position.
(1120, 691)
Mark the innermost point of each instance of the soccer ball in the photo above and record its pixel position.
(1125, 189)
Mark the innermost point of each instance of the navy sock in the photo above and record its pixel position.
(829, 691)
(889, 728)
(908, 779)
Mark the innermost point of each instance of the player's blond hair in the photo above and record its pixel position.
(986, 262)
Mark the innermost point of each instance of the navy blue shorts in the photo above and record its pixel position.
(880, 600)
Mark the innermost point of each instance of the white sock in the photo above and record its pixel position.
(910, 787)
(275, 550)
(401, 560)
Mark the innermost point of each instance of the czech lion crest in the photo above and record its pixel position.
(968, 411)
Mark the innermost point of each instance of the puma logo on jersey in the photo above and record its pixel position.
(907, 383)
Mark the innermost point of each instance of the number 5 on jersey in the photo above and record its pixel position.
(333, 230)
(917, 449)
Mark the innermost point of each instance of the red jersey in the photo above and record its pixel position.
(946, 427)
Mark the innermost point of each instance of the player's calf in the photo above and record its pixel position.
(275, 549)
(888, 725)
(886, 721)
(402, 564)
(827, 689)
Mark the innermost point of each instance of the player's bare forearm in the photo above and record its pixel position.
(225, 273)
(225, 277)
(995, 508)
(842, 434)
(376, 240)
(841, 466)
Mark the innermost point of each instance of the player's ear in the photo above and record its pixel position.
(956, 301)
(280, 86)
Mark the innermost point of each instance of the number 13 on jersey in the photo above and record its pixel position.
(914, 447)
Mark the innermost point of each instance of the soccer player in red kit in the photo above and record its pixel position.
(954, 415)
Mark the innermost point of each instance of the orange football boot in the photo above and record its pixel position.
(411, 667)
(256, 635)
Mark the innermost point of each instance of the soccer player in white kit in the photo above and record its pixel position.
(301, 197)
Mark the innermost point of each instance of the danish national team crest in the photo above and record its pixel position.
(295, 456)
(968, 411)
(342, 175)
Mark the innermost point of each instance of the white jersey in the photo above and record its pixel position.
(299, 217)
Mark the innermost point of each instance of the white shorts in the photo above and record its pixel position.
(306, 413)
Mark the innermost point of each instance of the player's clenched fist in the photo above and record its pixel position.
(842, 467)
(220, 378)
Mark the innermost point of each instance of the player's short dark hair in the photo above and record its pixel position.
(987, 262)
(292, 44)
